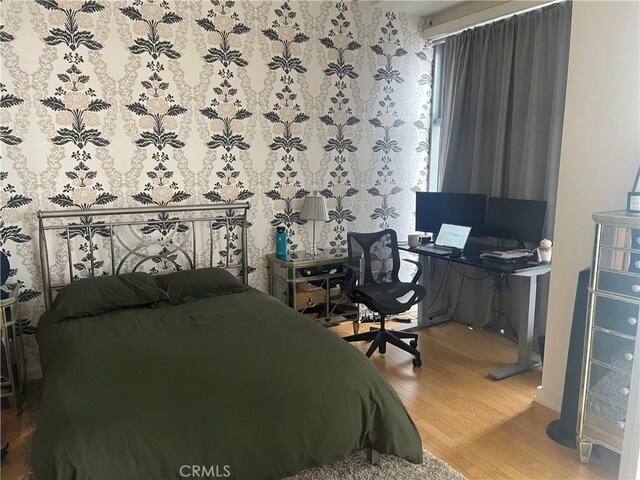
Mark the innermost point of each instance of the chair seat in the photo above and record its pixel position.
(389, 298)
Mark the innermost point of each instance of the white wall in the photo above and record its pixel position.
(600, 156)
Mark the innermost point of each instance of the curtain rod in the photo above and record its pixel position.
(437, 39)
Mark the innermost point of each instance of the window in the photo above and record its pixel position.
(436, 116)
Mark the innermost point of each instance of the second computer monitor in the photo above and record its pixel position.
(511, 218)
(435, 208)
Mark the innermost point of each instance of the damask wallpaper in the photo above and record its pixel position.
(112, 103)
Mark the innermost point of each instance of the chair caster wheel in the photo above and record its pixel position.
(417, 362)
(413, 343)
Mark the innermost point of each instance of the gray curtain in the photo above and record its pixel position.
(503, 108)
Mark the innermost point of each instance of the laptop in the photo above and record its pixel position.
(449, 238)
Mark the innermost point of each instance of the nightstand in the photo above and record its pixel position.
(311, 285)
(13, 367)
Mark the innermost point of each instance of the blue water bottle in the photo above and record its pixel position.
(281, 242)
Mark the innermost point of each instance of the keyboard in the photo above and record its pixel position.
(434, 249)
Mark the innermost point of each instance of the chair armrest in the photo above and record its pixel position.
(418, 274)
(350, 278)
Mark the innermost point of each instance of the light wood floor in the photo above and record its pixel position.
(484, 428)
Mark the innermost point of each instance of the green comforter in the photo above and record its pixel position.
(238, 384)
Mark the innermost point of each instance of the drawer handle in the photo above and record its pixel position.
(636, 288)
(624, 391)
(632, 320)
(628, 356)
(637, 263)
(620, 424)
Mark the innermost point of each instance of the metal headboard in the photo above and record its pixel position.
(161, 240)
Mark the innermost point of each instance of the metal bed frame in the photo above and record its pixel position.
(140, 245)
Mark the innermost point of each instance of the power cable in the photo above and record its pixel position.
(455, 309)
(500, 283)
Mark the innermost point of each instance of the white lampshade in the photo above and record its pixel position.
(314, 208)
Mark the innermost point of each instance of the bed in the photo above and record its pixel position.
(237, 384)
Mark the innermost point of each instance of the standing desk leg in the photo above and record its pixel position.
(423, 306)
(526, 359)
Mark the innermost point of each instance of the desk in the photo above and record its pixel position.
(471, 257)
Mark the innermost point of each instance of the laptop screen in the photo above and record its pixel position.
(454, 236)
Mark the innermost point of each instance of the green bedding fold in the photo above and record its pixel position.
(238, 384)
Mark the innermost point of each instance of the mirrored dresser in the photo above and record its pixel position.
(611, 338)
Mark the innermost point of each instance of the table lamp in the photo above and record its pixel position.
(314, 209)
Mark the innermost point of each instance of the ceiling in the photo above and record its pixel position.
(419, 7)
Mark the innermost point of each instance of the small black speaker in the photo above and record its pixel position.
(563, 430)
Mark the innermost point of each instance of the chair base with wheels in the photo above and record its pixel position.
(381, 336)
(372, 279)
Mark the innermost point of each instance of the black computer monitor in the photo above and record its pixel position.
(435, 208)
(511, 218)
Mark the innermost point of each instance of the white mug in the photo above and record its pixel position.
(414, 240)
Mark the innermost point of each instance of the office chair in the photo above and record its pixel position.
(372, 279)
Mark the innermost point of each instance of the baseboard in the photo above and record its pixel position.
(549, 399)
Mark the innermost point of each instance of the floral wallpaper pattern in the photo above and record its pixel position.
(12, 234)
(340, 119)
(286, 117)
(156, 107)
(227, 112)
(386, 120)
(77, 121)
(166, 102)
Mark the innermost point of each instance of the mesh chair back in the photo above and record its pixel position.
(375, 256)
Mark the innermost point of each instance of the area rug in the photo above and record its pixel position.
(356, 467)
(389, 467)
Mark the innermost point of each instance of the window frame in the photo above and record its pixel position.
(437, 97)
